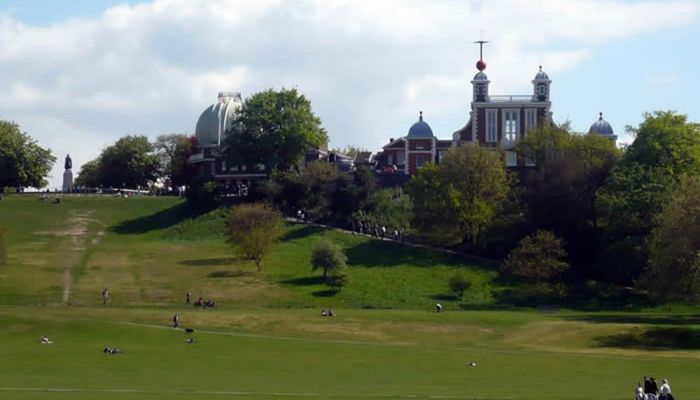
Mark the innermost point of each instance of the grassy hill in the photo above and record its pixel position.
(151, 251)
(267, 339)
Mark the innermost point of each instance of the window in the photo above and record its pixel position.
(542, 90)
(510, 125)
(421, 159)
(491, 126)
(530, 119)
(400, 158)
(511, 159)
(223, 166)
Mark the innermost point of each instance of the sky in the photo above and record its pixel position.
(77, 75)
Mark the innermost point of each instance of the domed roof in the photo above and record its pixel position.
(217, 119)
(602, 127)
(541, 75)
(480, 76)
(420, 129)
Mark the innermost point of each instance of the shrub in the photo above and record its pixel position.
(458, 283)
(336, 282)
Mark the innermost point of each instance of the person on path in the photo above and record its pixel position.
(105, 297)
(176, 321)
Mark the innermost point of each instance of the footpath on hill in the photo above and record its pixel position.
(485, 260)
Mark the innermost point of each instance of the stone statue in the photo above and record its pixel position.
(68, 175)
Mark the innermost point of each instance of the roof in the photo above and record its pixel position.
(420, 130)
(601, 127)
(218, 118)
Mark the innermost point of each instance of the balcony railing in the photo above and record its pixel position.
(509, 99)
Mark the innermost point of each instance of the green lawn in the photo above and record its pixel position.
(266, 339)
(374, 354)
(147, 252)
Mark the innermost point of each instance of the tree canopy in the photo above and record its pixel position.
(559, 193)
(253, 229)
(174, 151)
(454, 200)
(274, 128)
(327, 257)
(674, 253)
(22, 161)
(130, 162)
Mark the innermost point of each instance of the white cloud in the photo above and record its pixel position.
(366, 65)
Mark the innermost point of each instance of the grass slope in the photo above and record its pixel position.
(151, 251)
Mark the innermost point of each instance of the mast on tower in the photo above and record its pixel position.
(481, 65)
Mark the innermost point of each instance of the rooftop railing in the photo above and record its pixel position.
(510, 99)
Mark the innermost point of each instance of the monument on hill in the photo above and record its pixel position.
(68, 175)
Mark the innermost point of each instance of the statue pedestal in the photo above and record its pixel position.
(67, 180)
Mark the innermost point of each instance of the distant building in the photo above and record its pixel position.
(603, 128)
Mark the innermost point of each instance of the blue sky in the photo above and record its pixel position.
(79, 74)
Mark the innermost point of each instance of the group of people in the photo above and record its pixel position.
(208, 303)
(377, 230)
(327, 313)
(651, 390)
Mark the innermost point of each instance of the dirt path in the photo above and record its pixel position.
(76, 228)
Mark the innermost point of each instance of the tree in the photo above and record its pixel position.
(336, 282)
(89, 175)
(3, 248)
(274, 128)
(674, 251)
(130, 162)
(253, 229)
(666, 147)
(559, 194)
(22, 161)
(458, 283)
(539, 259)
(390, 208)
(328, 257)
(174, 151)
(453, 201)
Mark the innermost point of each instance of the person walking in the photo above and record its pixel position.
(665, 391)
(105, 297)
(176, 321)
(188, 298)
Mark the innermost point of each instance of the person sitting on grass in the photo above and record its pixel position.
(109, 350)
(45, 340)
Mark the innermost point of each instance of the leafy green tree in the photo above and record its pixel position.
(174, 151)
(458, 284)
(453, 201)
(130, 162)
(391, 208)
(327, 257)
(22, 161)
(89, 175)
(275, 128)
(559, 194)
(666, 147)
(539, 259)
(674, 263)
(253, 229)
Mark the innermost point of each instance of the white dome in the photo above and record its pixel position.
(217, 119)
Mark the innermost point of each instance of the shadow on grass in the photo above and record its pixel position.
(691, 319)
(654, 339)
(379, 253)
(160, 220)
(324, 293)
(305, 281)
(204, 262)
(226, 274)
(301, 233)
(444, 297)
